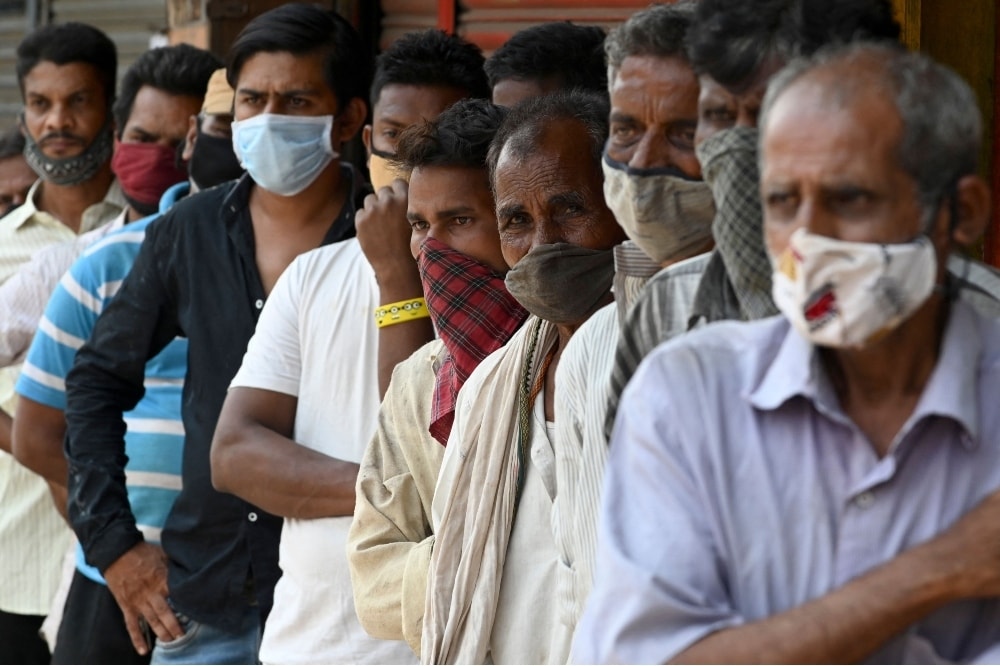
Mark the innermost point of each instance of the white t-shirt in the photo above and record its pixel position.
(316, 340)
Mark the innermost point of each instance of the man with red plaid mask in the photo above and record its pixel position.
(456, 244)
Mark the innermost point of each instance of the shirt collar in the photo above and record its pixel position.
(633, 262)
(950, 392)
(27, 210)
(93, 216)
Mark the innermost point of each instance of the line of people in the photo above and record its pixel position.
(650, 346)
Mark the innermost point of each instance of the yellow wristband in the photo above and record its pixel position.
(403, 311)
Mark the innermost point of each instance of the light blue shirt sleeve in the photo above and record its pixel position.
(660, 584)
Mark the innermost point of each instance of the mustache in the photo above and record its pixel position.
(61, 136)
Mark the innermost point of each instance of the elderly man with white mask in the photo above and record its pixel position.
(821, 485)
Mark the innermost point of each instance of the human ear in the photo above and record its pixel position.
(971, 210)
(192, 136)
(349, 120)
(366, 138)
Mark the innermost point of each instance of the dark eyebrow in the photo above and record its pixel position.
(452, 212)
(385, 120)
(302, 92)
(509, 210)
(619, 117)
(141, 132)
(567, 199)
(414, 217)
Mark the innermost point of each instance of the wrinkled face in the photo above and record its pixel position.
(720, 108)
(833, 169)
(654, 113)
(553, 195)
(399, 106)
(454, 205)
(159, 117)
(16, 178)
(64, 107)
(508, 92)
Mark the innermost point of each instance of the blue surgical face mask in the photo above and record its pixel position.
(284, 154)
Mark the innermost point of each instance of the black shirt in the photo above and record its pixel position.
(195, 276)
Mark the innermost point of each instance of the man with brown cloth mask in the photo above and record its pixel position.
(557, 235)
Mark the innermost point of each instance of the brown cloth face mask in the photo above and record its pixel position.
(562, 283)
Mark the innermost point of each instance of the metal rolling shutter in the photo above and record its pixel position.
(403, 16)
(129, 23)
(489, 23)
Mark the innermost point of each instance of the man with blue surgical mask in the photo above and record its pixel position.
(821, 486)
(204, 272)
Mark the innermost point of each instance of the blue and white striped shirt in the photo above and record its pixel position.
(155, 437)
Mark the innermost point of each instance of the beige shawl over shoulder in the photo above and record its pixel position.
(468, 560)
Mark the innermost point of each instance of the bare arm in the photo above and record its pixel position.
(853, 621)
(6, 429)
(255, 458)
(39, 431)
(384, 235)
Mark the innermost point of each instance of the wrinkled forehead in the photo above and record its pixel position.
(559, 149)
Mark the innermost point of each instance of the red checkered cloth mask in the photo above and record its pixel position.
(474, 315)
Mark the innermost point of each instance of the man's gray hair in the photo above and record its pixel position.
(659, 31)
(524, 125)
(942, 127)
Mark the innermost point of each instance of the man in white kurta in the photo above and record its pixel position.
(316, 340)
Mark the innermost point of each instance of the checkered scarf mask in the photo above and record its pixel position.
(474, 315)
(737, 280)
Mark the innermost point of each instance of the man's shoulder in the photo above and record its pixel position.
(205, 208)
(338, 268)
(672, 287)
(598, 334)
(732, 352)
(416, 374)
(12, 221)
(682, 270)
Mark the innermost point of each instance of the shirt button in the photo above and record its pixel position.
(259, 304)
(865, 500)
(252, 517)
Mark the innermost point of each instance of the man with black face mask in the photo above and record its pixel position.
(40, 423)
(208, 148)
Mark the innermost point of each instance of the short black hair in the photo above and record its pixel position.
(431, 58)
(11, 143)
(659, 31)
(459, 137)
(178, 70)
(731, 39)
(65, 43)
(302, 29)
(571, 54)
(526, 122)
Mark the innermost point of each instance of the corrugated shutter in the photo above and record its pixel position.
(489, 23)
(129, 23)
(12, 31)
(402, 16)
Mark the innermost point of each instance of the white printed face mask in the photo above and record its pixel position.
(843, 294)
(284, 154)
(668, 216)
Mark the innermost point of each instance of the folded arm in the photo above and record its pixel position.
(255, 458)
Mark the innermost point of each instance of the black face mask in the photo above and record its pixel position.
(213, 161)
